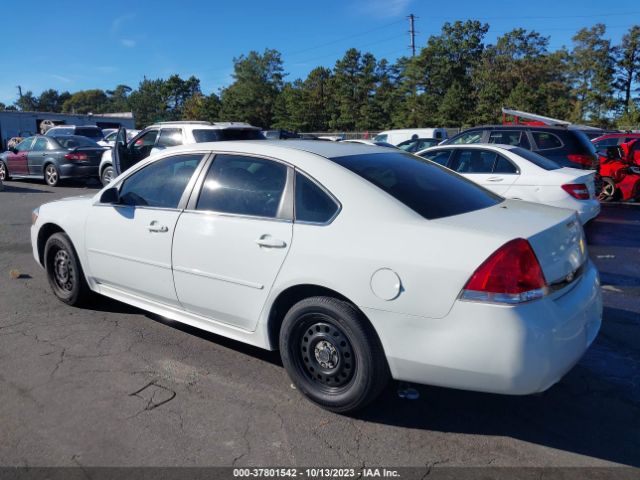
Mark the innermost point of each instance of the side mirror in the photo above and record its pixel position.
(111, 196)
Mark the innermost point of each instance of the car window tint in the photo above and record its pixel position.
(381, 138)
(161, 183)
(474, 161)
(510, 137)
(25, 144)
(503, 165)
(170, 137)
(606, 142)
(536, 159)
(469, 137)
(40, 144)
(74, 141)
(546, 141)
(441, 157)
(312, 203)
(428, 189)
(243, 186)
(146, 140)
(95, 133)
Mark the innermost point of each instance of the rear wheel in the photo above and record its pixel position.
(332, 354)
(51, 175)
(608, 192)
(64, 272)
(4, 173)
(107, 175)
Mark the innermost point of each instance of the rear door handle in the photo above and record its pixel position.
(269, 242)
(157, 228)
(495, 179)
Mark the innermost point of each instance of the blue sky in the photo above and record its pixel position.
(72, 45)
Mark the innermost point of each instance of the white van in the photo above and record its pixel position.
(395, 137)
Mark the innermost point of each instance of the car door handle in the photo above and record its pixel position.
(495, 179)
(269, 242)
(157, 228)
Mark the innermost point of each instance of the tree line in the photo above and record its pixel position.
(455, 80)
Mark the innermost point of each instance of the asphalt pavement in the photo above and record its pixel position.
(114, 386)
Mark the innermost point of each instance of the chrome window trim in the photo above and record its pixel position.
(327, 192)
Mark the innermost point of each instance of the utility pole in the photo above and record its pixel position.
(412, 34)
(19, 91)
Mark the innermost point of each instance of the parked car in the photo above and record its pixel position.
(567, 147)
(159, 136)
(358, 263)
(279, 134)
(418, 144)
(398, 136)
(612, 139)
(89, 131)
(520, 174)
(52, 159)
(369, 142)
(620, 172)
(110, 138)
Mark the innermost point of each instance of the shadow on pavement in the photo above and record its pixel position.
(13, 189)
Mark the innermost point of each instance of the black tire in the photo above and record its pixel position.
(347, 369)
(64, 271)
(107, 175)
(51, 175)
(4, 172)
(608, 190)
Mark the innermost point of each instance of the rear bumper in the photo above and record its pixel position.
(514, 350)
(77, 170)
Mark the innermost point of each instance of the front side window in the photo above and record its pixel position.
(24, 145)
(474, 161)
(469, 137)
(243, 185)
(170, 137)
(428, 189)
(312, 203)
(546, 141)
(441, 157)
(160, 184)
(146, 140)
(40, 144)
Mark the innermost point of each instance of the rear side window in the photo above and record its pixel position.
(510, 137)
(243, 186)
(474, 161)
(536, 159)
(211, 135)
(313, 204)
(546, 140)
(381, 138)
(170, 137)
(441, 157)
(429, 189)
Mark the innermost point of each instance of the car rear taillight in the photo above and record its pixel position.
(512, 274)
(79, 157)
(581, 159)
(577, 190)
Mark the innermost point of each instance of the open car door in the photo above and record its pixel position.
(121, 160)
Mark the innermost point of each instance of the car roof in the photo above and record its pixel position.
(75, 126)
(317, 147)
(205, 125)
(617, 135)
(499, 146)
(517, 127)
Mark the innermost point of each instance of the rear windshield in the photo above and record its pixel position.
(536, 159)
(89, 132)
(75, 141)
(425, 187)
(210, 135)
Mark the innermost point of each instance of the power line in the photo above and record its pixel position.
(544, 17)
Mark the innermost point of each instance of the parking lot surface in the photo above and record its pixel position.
(114, 386)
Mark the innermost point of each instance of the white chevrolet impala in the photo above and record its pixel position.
(358, 263)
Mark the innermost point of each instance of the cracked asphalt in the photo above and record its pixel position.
(115, 386)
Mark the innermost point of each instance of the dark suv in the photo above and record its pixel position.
(568, 148)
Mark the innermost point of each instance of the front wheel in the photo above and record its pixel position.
(332, 354)
(4, 173)
(51, 175)
(608, 191)
(107, 175)
(64, 271)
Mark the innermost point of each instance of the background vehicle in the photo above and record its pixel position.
(568, 148)
(110, 138)
(612, 139)
(159, 136)
(369, 142)
(89, 131)
(52, 159)
(514, 172)
(358, 263)
(279, 134)
(398, 136)
(620, 172)
(418, 144)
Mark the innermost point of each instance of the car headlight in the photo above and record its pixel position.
(34, 215)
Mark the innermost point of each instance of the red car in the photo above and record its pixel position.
(612, 139)
(620, 171)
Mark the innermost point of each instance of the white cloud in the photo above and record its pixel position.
(117, 23)
(127, 42)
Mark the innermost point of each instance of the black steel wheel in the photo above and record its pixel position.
(64, 271)
(332, 354)
(51, 175)
(4, 173)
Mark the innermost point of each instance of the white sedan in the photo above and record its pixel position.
(358, 263)
(521, 174)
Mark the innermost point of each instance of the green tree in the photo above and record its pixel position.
(148, 102)
(118, 98)
(628, 65)
(51, 101)
(201, 107)
(27, 102)
(258, 80)
(86, 101)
